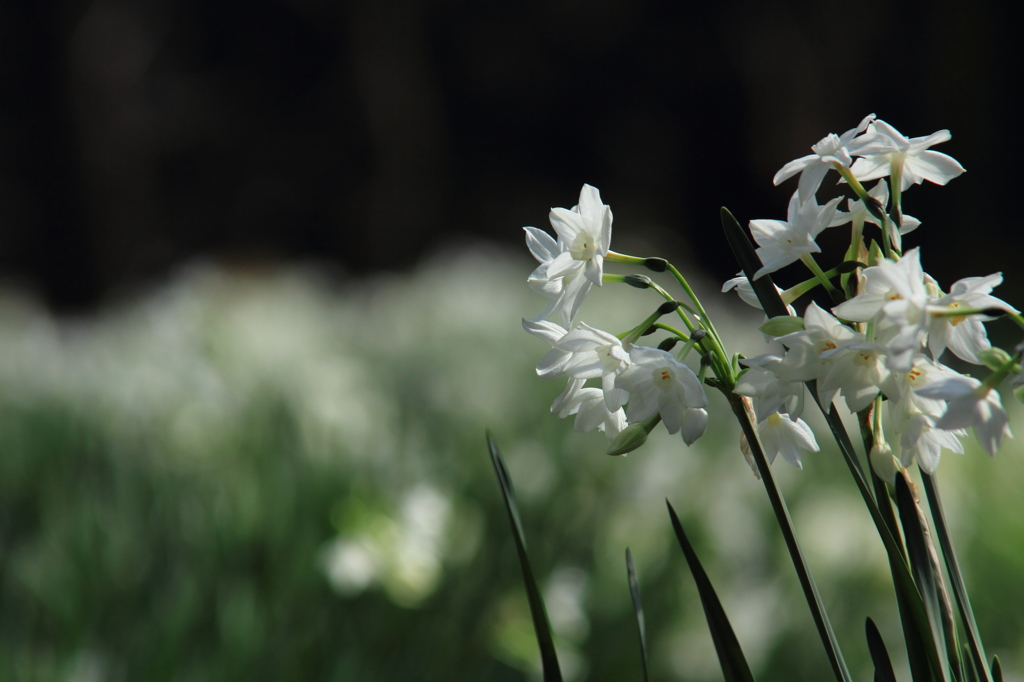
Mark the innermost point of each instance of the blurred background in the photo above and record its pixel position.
(261, 277)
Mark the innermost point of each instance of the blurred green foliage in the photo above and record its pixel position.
(265, 476)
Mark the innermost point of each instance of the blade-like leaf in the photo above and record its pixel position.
(997, 670)
(638, 609)
(803, 572)
(746, 256)
(911, 607)
(976, 648)
(970, 672)
(923, 564)
(541, 626)
(730, 655)
(879, 654)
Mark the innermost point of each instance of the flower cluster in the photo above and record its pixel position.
(653, 381)
(885, 341)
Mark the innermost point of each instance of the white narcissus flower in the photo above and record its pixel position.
(908, 159)
(971, 404)
(803, 361)
(894, 296)
(566, 292)
(570, 266)
(660, 384)
(552, 364)
(595, 354)
(920, 440)
(966, 335)
(813, 167)
(857, 372)
(584, 234)
(768, 392)
(781, 242)
(780, 434)
(695, 423)
(592, 412)
(746, 292)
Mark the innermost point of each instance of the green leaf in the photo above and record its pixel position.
(923, 564)
(541, 626)
(997, 670)
(638, 609)
(746, 256)
(963, 603)
(730, 655)
(803, 572)
(879, 654)
(970, 671)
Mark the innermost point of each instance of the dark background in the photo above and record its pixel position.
(135, 136)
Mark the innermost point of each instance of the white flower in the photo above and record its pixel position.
(813, 167)
(695, 423)
(906, 158)
(584, 233)
(894, 296)
(788, 437)
(803, 361)
(592, 412)
(571, 266)
(769, 392)
(783, 242)
(971, 404)
(746, 292)
(966, 335)
(658, 383)
(553, 364)
(922, 441)
(595, 354)
(567, 291)
(857, 372)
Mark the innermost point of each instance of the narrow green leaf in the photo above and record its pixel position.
(746, 256)
(638, 609)
(970, 672)
(924, 568)
(916, 621)
(963, 603)
(879, 654)
(541, 626)
(997, 670)
(803, 572)
(730, 655)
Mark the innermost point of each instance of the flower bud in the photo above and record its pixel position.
(698, 335)
(650, 330)
(638, 281)
(656, 264)
(668, 307)
(782, 325)
(668, 344)
(695, 422)
(628, 440)
(884, 463)
(994, 357)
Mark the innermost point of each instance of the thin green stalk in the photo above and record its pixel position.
(828, 637)
(952, 565)
(812, 265)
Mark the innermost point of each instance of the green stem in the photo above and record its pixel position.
(953, 566)
(803, 572)
(812, 265)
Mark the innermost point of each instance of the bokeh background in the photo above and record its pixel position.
(261, 276)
